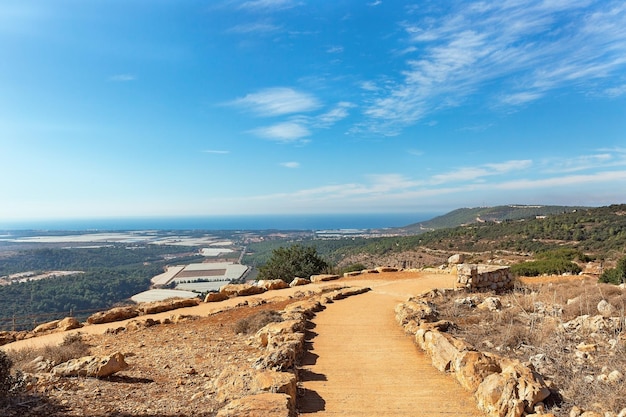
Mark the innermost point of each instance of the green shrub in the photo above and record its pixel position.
(352, 268)
(615, 275)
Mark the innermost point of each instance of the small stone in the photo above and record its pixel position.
(615, 377)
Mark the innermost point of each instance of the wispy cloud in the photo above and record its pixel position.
(335, 49)
(255, 27)
(123, 77)
(608, 158)
(287, 132)
(512, 52)
(466, 174)
(277, 101)
(291, 165)
(334, 115)
(267, 5)
(217, 152)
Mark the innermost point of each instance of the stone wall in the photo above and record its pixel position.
(484, 277)
(501, 387)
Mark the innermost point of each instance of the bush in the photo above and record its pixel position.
(615, 275)
(10, 385)
(291, 262)
(352, 268)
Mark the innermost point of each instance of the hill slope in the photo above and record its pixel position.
(496, 214)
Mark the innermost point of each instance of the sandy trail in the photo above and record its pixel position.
(362, 363)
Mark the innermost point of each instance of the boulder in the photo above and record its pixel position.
(266, 404)
(324, 277)
(282, 357)
(513, 391)
(69, 323)
(115, 314)
(351, 274)
(214, 297)
(491, 304)
(46, 327)
(167, 305)
(234, 382)
(238, 290)
(91, 366)
(415, 310)
(456, 259)
(471, 368)
(273, 334)
(272, 284)
(386, 269)
(7, 337)
(606, 309)
(297, 281)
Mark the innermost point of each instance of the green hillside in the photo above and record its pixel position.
(465, 216)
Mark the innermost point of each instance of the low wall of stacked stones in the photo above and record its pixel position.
(484, 277)
(502, 387)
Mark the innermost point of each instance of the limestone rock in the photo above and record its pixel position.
(416, 310)
(386, 269)
(351, 274)
(214, 297)
(456, 259)
(297, 281)
(605, 308)
(324, 277)
(91, 366)
(69, 323)
(472, 367)
(277, 382)
(272, 284)
(273, 333)
(46, 327)
(167, 305)
(115, 314)
(266, 404)
(238, 290)
(491, 304)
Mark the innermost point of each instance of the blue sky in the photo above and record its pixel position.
(163, 108)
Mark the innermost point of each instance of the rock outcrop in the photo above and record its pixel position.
(91, 366)
(239, 290)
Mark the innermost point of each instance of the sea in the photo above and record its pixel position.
(250, 222)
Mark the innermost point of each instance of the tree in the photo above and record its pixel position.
(615, 275)
(294, 261)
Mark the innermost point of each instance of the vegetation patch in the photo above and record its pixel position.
(571, 332)
(252, 324)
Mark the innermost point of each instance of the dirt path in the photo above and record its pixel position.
(362, 363)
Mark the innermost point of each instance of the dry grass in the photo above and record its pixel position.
(72, 347)
(254, 323)
(529, 327)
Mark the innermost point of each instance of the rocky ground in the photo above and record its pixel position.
(172, 370)
(571, 330)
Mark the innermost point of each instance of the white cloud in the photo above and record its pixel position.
(277, 101)
(604, 159)
(477, 173)
(291, 165)
(286, 132)
(123, 77)
(512, 52)
(217, 152)
(257, 27)
(267, 5)
(335, 50)
(334, 115)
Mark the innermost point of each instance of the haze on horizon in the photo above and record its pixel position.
(134, 108)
